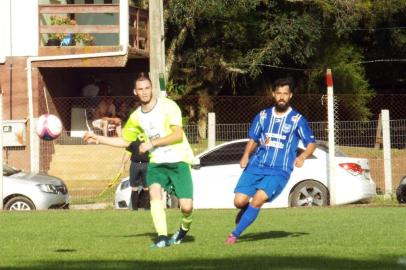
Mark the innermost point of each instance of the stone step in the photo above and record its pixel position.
(93, 165)
(86, 162)
(86, 147)
(86, 176)
(85, 152)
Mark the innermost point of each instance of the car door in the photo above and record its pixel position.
(214, 179)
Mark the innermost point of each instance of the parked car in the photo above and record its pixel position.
(123, 194)
(26, 191)
(401, 191)
(216, 171)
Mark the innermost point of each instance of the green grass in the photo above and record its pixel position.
(356, 237)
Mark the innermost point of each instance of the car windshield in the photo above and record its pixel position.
(7, 170)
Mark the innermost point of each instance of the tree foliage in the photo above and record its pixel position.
(239, 47)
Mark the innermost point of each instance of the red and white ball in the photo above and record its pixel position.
(49, 127)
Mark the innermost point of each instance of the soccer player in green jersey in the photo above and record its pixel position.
(158, 123)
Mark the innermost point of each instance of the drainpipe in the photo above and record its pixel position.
(124, 30)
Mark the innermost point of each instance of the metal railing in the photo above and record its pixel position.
(67, 23)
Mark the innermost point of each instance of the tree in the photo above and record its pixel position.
(238, 47)
(349, 80)
(217, 43)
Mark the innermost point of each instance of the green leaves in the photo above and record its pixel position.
(237, 46)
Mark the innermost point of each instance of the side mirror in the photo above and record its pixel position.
(196, 164)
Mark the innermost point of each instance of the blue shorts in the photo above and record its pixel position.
(249, 183)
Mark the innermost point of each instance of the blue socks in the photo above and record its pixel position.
(247, 218)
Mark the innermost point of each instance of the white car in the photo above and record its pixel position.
(123, 194)
(25, 191)
(216, 171)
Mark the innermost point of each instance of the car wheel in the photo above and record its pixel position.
(403, 181)
(19, 203)
(309, 193)
(401, 193)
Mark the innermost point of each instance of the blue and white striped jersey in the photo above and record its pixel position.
(277, 138)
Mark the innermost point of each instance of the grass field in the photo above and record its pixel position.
(353, 237)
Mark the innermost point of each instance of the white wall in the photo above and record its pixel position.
(21, 17)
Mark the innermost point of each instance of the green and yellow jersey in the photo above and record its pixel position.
(156, 124)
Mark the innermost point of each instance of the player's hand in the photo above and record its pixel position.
(299, 161)
(90, 137)
(244, 162)
(145, 147)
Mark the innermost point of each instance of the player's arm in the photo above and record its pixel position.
(307, 137)
(90, 137)
(176, 136)
(305, 154)
(254, 135)
(249, 148)
(113, 120)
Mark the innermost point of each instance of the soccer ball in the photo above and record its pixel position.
(49, 127)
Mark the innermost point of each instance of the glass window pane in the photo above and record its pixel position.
(229, 154)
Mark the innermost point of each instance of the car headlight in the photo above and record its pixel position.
(125, 184)
(48, 188)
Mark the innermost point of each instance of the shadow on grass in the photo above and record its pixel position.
(269, 235)
(232, 263)
(148, 234)
(152, 236)
(65, 250)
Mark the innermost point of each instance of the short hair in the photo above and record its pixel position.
(283, 82)
(142, 77)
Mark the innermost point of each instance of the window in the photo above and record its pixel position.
(228, 154)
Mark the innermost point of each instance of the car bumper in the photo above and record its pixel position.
(51, 201)
(357, 191)
(122, 198)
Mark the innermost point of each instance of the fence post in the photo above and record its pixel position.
(378, 137)
(35, 148)
(156, 43)
(1, 147)
(211, 136)
(387, 160)
(331, 137)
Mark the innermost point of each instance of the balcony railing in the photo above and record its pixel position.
(92, 25)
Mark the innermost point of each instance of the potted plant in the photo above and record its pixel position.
(84, 39)
(58, 39)
(54, 39)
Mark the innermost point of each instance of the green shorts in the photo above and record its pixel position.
(173, 177)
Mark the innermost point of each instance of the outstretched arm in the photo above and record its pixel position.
(90, 137)
(114, 120)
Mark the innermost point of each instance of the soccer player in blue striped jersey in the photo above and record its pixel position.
(270, 155)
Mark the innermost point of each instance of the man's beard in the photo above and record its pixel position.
(279, 107)
(146, 102)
